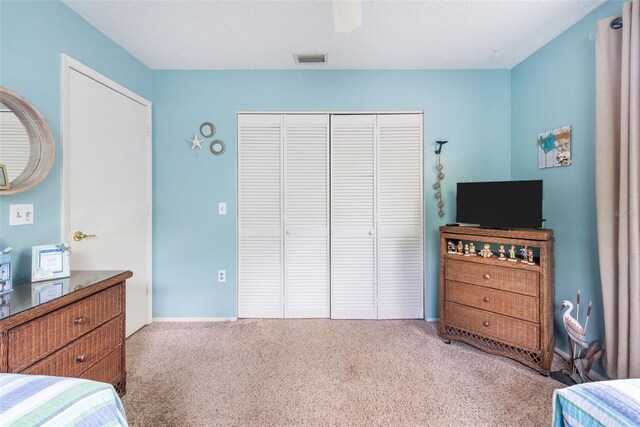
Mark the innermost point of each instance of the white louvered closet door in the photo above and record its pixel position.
(306, 207)
(399, 183)
(260, 245)
(15, 148)
(353, 252)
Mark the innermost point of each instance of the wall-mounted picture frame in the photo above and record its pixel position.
(49, 262)
(554, 148)
(4, 178)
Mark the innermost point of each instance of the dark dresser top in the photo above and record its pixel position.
(27, 295)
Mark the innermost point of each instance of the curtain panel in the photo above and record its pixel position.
(618, 187)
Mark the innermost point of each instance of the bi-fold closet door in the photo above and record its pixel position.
(374, 165)
(283, 215)
(376, 216)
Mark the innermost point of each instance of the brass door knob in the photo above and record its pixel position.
(485, 323)
(79, 320)
(79, 235)
(80, 358)
(485, 299)
(486, 276)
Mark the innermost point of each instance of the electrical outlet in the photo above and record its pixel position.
(222, 276)
(222, 208)
(20, 214)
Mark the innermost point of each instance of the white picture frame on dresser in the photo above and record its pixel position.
(49, 262)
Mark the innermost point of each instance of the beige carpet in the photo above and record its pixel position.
(323, 372)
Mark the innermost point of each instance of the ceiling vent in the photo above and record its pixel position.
(315, 58)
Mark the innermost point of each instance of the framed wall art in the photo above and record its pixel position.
(554, 148)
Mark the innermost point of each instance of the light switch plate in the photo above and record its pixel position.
(222, 276)
(20, 214)
(222, 208)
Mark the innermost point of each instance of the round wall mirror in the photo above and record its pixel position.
(207, 129)
(217, 147)
(27, 147)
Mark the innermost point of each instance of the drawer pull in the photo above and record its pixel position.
(485, 323)
(485, 299)
(80, 358)
(79, 320)
(486, 276)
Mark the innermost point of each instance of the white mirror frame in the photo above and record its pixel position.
(42, 144)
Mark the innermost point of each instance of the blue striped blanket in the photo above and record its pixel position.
(606, 403)
(35, 400)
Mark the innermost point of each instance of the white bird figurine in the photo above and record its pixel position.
(572, 326)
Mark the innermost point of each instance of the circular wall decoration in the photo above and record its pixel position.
(217, 147)
(207, 129)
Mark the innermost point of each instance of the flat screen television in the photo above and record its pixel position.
(503, 204)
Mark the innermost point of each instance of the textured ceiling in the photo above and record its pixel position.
(245, 34)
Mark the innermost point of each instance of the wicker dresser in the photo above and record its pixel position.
(71, 327)
(499, 306)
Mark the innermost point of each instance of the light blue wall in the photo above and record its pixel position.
(490, 117)
(469, 108)
(555, 87)
(33, 34)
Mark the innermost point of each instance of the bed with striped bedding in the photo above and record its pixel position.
(36, 400)
(605, 403)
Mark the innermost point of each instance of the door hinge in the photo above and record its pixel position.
(147, 209)
(146, 130)
(148, 288)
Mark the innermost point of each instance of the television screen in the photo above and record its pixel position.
(504, 204)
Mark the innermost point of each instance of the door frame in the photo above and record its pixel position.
(331, 113)
(67, 65)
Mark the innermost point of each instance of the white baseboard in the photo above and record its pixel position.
(593, 374)
(195, 319)
(433, 319)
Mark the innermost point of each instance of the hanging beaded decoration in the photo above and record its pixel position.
(439, 177)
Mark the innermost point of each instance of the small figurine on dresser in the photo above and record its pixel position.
(530, 257)
(459, 248)
(485, 252)
(451, 247)
(523, 254)
(512, 253)
(501, 251)
(466, 250)
(472, 249)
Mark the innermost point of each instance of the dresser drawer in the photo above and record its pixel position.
(508, 303)
(502, 328)
(107, 370)
(507, 279)
(32, 341)
(72, 360)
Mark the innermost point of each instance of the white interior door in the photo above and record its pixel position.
(107, 185)
(353, 203)
(306, 207)
(399, 176)
(260, 241)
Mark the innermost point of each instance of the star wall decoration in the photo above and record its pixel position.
(195, 142)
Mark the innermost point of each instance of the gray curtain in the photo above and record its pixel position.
(618, 188)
